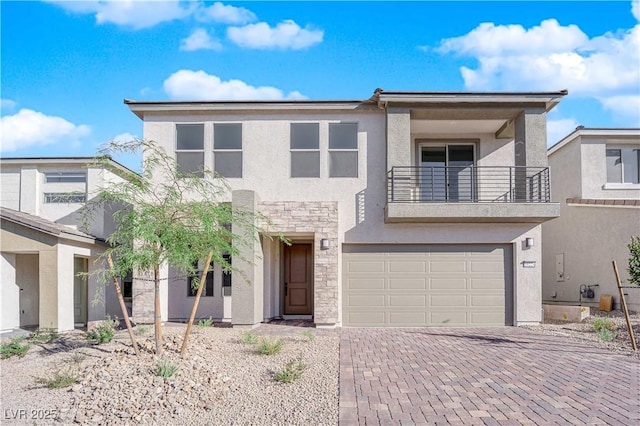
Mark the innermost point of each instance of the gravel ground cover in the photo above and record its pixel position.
(585, 331)
(221, 381)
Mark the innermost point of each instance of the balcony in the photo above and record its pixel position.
(469, 194)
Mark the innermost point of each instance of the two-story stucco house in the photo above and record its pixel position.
(596, 180)
(405, 209)
(43, 246)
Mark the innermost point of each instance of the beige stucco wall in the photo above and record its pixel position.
(9, 293)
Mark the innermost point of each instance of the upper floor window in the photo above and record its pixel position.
(190, 149)
(227, 149)
(622, 165)
(305, 149)
(65, 177)
(343, 150)
(64, 197)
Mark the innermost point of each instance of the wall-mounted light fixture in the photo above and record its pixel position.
(528, 242)
(325, 244)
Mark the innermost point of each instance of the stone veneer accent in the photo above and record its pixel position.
(319, 218)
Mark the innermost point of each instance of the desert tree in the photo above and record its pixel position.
(167, 216)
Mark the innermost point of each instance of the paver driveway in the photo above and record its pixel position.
(482, 376)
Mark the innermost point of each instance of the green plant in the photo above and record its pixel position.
(77, 357)
(103, 332)
(604, 324)
(308, 335)
(205, 322)
(165, 368)
(61, 378)
(14, 347)
(44, 335)
(249, 338)
(142, 329)
(634, 261)
(606, 335)
(292, 371)
(269, 346)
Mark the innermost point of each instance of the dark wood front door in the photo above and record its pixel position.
(298, 279)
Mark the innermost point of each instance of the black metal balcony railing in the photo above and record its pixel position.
(468, 184)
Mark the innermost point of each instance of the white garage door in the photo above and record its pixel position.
(427, 285)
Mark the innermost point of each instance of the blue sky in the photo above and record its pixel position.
(67, 66)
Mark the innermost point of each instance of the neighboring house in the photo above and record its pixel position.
(595, 177)
(43, 244)
(405, 209)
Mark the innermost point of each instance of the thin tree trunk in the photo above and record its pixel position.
(157, 311)
(123, 307)
(196, 301)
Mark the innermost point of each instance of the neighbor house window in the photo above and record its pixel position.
(190, 149)
(343, 150)
(208, 283)
(305, 150)
(64, 197)
(65, 177)
(127, 286)
(227, 149)
(622, 165)
(226, 276)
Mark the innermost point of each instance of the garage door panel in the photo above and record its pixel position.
(407, 318)
(365, 283)
(448, 284)
(407, 283)
(448, 267)
(422, 285)
(410, 301)
(369, 301)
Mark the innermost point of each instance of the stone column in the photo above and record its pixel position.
(247, 278)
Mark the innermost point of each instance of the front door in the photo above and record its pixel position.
(298, 288)
(79, 291)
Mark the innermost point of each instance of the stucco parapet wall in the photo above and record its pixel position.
(320, 219)
(471, 212)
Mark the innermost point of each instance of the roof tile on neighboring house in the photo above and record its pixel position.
(44, 225)
(603, 202)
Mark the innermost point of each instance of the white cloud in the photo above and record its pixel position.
(131, 13)
(7, 104)
(550, 57)
(558, 129)
(635, 9)
(225, 14)
(626, 106)
(198, 85)
(200, 40)
(286, 35)
(29, 128)
(124, 137)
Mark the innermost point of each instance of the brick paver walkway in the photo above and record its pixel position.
(505, 376)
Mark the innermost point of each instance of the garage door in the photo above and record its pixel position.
(427, 285)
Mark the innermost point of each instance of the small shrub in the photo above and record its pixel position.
(308, 335)
(14, 347)
(165, 368)
(604, 324)
(142, 329)
(606, 335)
(103, 332)
(205, 322)
(634, 261)
(270, 346)
(77, 357)
(292, 371)
(249, 338)
(44, 335)
(61, 378)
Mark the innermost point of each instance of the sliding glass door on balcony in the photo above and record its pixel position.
(446, 172)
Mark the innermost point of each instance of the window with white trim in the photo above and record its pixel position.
(227, 149)
(190, 149)
(623, 165)
(343, 149)
(64, 177)
(305, 150)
